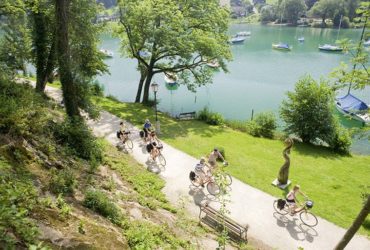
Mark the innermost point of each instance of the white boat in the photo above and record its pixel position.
(350, 105)
(106, 53)
(329, 47)
(367, 43)
(301, 39)
(237, 40)
(213, 64)
(282, 46)
(170, 78)
(243, 34)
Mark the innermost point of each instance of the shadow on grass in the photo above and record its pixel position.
(317, 151)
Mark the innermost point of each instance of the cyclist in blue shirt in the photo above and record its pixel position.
(146, 129)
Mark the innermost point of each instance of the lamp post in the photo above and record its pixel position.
(154, 87)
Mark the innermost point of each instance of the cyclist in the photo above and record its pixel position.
(147, 127)
(213, 156)
(292, 199)
(153, 146)
(202, 169)
(122, 131)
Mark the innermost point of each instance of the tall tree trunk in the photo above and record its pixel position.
(355, 225)
(50, 64)
(141, 82)
(40, 44)
(69, 87)
(148, 80)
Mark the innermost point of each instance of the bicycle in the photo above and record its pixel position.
(212, 187)
(160, 157)
(282, 207)
(127, 141)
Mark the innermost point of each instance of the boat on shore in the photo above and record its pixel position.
(106, 53)
(170, 78)
(330, 48)
(282, 46)
(237, 40)
(352, 106)
(301, 39)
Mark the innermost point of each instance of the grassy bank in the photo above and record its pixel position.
(333, 181)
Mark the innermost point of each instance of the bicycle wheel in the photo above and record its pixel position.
(129, 144)
(213, 188)
(161, 160)
(228, 179)
(308, 218)
(283, 211)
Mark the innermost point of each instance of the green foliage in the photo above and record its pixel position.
(308, 110)
(64, 208)
(237, 125)
(76, 135)
(268, 13)
(97, 89)
(99, 202)
(145, 235)
(62, 181)
(342, 140)
(292, 9)
(328, 9)
(209, 117)
(263, 125)
(17, 199)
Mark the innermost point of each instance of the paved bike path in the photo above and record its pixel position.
(247, 205)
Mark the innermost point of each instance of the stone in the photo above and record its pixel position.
(281, 186)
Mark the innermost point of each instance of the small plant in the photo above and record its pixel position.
(47, 202)
(100, 203)
(264, 125)
(62, 181)
(210, 117)
(97, 89)
(81, 227)
(64, 208)
(109, 185)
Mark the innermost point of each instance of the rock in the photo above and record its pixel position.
(136, 214)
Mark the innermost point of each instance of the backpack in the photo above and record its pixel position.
(281, 203)
(119, 134)
(192, 175)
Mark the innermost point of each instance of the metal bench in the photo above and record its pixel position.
(186, 116)
(214, 219)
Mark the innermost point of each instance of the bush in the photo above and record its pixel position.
(76, 135)
(341, 142)
(62, 181)
(99, 202)
(210, 117)
(97, 89)
(264, 125)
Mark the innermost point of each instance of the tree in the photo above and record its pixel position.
(292, 9)
(178, 37)
(268, 13)
(355, 225)
(69, 87)
(352, 6)
(308, 111)
(310, 3)
(325, 9)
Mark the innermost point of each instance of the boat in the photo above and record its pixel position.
(213, 64)
(301, 39)
(170, 78)
(352, 106)
(367, 43)
(106, 53)
(282, 46)
(243, 34)
(237, 40)
(329, 47)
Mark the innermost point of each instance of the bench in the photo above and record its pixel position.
(214, 218)
(186, 116)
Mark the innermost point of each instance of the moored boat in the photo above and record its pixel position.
(170, 78)
(282, 46)
(106, 53)
(352, 106)
(367, 43)
(213, 64)
(237, 40)
(301, 39)
(243, 34)
(329, 47)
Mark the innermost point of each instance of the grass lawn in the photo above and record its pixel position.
(335, 183)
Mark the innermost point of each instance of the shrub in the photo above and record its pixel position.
(210, 117)
(263, 125)
(100, 203)
(62, 181)
(97, 89)
(341, 142)
(76, 135)
(113, 98)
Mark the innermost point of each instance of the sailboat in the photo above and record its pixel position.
(330, 47)
(352, 106)
(281, 46)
